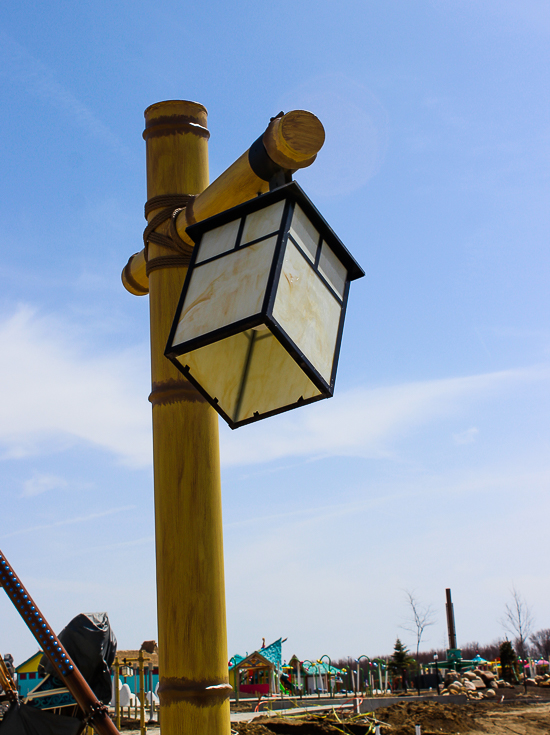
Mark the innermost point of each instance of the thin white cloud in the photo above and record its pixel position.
(73, 587)
(331, 548)
(466, 437)
(67, 522)
(58, 394)
(61, 394)
(144, 541)
(40, 81)
(41, 483)
(366, 423)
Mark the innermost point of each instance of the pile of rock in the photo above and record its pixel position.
(539, 681)
(479, 684)
(475, 684)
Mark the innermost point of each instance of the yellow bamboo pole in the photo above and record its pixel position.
(193, 683)
(194, 688)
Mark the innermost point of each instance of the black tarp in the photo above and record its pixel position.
(91, 644)
(22, 719)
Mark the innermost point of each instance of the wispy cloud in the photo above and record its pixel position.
(40, 81)
(367, 423)
(67, 522)
(460, 486)
(466, 437)
(358, 550)
(144, 541)
(41, 483)
(60, 392)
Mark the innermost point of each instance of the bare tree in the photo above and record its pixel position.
(541, 643)
(518, 621)
(418, 619)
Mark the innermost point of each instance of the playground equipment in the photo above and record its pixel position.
(454, 660)
(123, 697)
(8, 690)
(64, 686)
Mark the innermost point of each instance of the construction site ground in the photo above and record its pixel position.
(511, 713)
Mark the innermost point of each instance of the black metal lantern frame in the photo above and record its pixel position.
(293, 196)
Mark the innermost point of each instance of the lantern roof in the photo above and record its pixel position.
(294, 192)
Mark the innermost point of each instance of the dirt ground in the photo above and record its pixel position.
(518, 716)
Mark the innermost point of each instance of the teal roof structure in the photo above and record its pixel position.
(234, 660)
(273, 652)
(320, 668)
(478, 660)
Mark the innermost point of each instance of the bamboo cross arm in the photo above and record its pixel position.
(290, 142)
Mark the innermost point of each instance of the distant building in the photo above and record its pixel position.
(27, 674)
(128, 662)
(259, 672)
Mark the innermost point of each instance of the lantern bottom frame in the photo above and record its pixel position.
(297, 368)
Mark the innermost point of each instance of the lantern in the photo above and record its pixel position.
(259, 322)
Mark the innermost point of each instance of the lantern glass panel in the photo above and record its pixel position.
(307, 311)
(304, 233)
(209, 365)
(254, 385)
(263, 222)
(333, 270)
(218, 241)
(263, 388)
(226, 290)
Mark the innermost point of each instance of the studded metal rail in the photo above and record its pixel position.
(94, 710)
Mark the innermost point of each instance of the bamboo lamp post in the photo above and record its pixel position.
(194, 688)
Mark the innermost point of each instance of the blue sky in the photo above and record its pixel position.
(429, 467)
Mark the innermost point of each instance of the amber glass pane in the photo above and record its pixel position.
(218, 241)
(218, 368)
(225, 290)
(263, 222)
(248, 373)
(307, 311)
(304, 233)
(333, 269)
(274, 379)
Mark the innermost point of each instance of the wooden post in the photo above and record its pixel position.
(136, 691)
(116, 682)
(450, 620)
(141, 695)
(194, 684)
